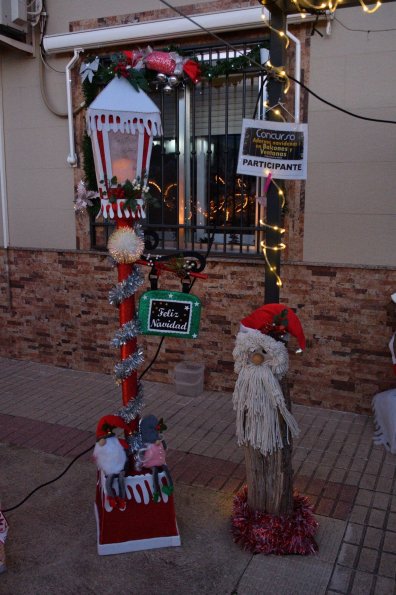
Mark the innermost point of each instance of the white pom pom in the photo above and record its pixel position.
(125, 246)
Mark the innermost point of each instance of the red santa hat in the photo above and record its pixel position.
(276, 319)
(106, 425)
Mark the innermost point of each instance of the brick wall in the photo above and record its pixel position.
(54, 309)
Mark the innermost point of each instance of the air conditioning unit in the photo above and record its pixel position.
(13, 18)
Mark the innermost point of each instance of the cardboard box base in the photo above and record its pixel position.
(144, 524)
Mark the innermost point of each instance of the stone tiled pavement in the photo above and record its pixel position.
(346, 477)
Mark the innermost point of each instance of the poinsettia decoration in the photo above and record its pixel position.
(84, 198)
(129, 192)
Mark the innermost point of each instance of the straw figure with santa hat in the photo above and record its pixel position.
(261, 361)
(267, 519)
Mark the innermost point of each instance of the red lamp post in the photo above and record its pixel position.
(122, 122)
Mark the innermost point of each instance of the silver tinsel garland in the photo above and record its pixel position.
(127, 366)
(126, 288)
(135, 443)
(128, 331)
(132, 409)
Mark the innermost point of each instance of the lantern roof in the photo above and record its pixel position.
(121, 108)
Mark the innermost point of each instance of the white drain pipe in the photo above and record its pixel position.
(72, 157)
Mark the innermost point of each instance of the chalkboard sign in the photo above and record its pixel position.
(170, 314)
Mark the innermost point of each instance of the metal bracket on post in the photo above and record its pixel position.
(153, 278)
(186, 284)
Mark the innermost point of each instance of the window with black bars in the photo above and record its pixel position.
(200, 196)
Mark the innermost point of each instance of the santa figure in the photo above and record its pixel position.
(261, 361)
(151, 455)
(110, 455)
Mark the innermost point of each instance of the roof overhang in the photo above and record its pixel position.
(136, 33)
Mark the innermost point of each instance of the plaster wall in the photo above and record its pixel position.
(73, 10)
(39, 181)
(350, 206)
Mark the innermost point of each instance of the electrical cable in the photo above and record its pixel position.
(234, 49)
(362, 30)
(337, 107)
(153, 360)
(223, 41)
(48, 482)
(45, 63)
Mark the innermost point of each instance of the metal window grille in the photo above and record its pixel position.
(193, 165)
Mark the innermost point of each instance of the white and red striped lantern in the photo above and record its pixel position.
(122, 123)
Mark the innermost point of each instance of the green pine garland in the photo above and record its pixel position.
(224, 67)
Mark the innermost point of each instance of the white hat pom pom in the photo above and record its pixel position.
(125, 245)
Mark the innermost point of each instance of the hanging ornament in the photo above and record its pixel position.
(167, 89)
(173, 80)
(161, 77)
(125, 245)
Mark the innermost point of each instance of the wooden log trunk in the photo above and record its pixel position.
(270, 478)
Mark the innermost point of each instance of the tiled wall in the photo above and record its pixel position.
(54, 309)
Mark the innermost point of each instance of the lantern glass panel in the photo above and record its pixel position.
(123, 151)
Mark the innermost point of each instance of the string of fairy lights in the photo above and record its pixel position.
(305, 7)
